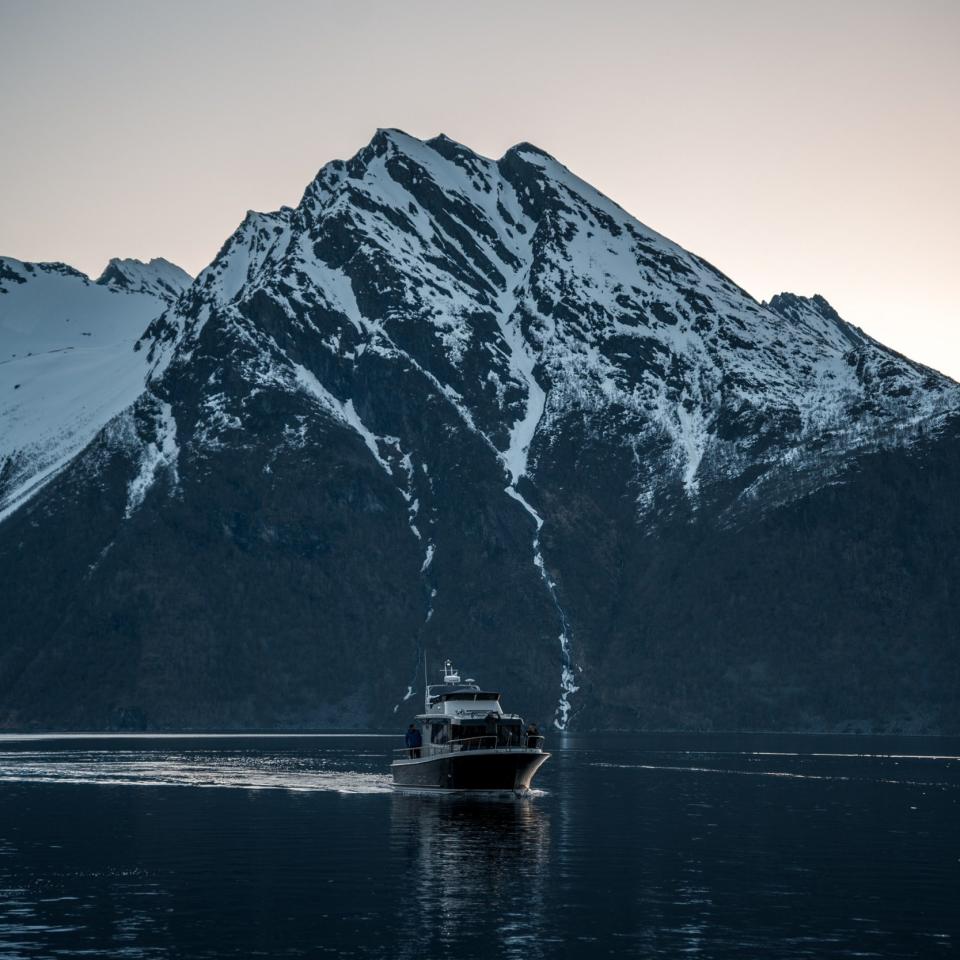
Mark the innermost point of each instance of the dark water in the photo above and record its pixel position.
(639, 846)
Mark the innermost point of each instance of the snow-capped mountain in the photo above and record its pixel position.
(473, 407)
(532, 298)
(159, 277)
(67, 363)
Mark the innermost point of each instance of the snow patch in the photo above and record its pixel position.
(343, 410)
(567, 686)
(157, 455)
(67, 368)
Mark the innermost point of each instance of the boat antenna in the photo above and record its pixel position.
(426, 692)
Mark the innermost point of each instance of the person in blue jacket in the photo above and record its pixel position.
(413, 740)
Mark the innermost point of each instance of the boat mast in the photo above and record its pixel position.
(426, 692)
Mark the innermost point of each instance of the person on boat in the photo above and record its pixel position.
(413, 740)
(490, 730)
(533, 734)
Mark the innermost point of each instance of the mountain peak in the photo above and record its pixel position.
(394, 134)
(393, 139)
(783, 302)
(526, 147)
(19, 271)
(159, 277)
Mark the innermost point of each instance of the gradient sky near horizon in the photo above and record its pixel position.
(811, 147)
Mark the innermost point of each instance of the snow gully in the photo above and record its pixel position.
(567, 686)
(514, 458)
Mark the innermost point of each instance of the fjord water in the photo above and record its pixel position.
(636, 845)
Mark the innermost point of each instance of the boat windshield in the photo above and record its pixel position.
(437, 690)
(494, 730)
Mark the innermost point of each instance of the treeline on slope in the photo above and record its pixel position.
(839, 612)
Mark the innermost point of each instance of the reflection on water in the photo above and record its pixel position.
(777, 848)
(466, 859)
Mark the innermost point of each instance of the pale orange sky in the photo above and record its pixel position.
(810, 147)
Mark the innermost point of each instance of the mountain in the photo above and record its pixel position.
(451, 406)
(159, 277)
(67, 361)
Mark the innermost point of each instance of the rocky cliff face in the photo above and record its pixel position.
(472, 408)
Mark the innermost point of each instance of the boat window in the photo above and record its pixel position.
(508, 732)
(466, 731)
(439, 732)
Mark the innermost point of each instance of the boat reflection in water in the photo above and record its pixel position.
(471, 861)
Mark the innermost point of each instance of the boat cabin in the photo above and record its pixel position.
(487, 732)
(462, 716)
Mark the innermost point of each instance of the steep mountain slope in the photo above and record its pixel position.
(473, 407)
(67, 364)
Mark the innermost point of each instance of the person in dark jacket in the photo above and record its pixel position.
(413, 740)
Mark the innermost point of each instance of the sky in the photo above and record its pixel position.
(811, 147)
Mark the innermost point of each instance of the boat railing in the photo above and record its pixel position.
(474, 743)
(491, 742)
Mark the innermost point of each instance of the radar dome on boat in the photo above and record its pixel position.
(449, 674)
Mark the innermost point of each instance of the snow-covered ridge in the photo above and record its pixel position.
(157, 454)
(67, 367)
(159, 277)
(613, 313)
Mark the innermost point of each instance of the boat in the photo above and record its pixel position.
(468, 742)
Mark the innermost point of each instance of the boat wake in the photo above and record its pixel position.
(786, 774)
(130, 768)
